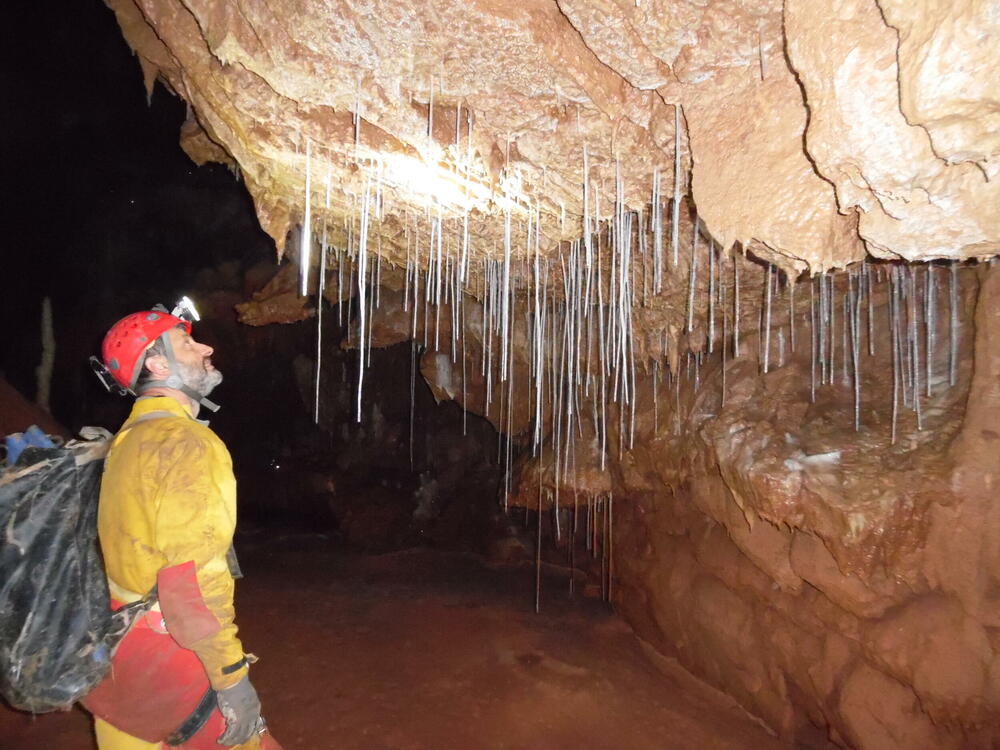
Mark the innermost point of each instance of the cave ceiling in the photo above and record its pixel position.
(810, 133)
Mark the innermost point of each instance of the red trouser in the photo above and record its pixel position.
(154, 686)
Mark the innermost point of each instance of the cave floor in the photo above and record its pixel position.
(427, 650)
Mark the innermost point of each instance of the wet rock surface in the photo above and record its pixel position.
(834, 581)
(837, 582)
(806, 136)
(423, 650)
(825, 577)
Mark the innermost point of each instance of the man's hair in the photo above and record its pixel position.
(158, 349)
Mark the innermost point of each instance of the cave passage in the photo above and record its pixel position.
(421, 649)
(597, 374)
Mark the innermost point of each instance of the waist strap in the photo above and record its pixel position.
(125, 596)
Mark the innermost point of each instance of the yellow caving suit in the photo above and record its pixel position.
(168, 497)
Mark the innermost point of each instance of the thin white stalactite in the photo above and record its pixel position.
(914, 338)
(676, 208)
(813, 341)
(657, 222)
(845, 360)
(406, 276)
(831, 310)
(319, 325)
(854, 300)
(340, 287)
(736, 307)
(902, 306)
(929, 306)
(821, 327)
(871, 308)
(438, 280)
(505, 294)
(692, 276)
(656, 399)
(953, 323)
(362, 289)
(587, 232)
(465, 407)
(711, 296)
(896, 375)
(305, 242)
(723, 346)
(768, 282)
(791, 282)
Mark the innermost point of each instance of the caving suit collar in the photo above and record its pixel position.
(149, 404)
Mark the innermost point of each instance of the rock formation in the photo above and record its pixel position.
(716, 269)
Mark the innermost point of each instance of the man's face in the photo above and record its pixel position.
(194, 361)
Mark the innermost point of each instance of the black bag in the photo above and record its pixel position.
(57, 631)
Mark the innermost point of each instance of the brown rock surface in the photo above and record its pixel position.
(914, 202)
(824, 576)
(470, 104)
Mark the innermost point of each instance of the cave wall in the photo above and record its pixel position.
(825, 575)
(834, 581)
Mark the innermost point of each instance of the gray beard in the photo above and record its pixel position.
(199, 379)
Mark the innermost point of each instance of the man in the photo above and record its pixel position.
(165, 521)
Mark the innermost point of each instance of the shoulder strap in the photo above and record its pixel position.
(148, 417)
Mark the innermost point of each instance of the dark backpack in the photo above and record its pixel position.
(57, 630)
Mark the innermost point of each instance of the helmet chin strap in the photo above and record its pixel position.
(175, 381)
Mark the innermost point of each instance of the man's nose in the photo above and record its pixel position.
(206, 350)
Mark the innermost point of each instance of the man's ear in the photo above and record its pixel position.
(157, 366)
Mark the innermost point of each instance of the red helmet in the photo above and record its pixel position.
(128, 340)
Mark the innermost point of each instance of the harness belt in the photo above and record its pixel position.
(193, 723)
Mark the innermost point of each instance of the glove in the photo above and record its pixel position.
(240, 707)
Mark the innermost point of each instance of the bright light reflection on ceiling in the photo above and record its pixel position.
(438, 183)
